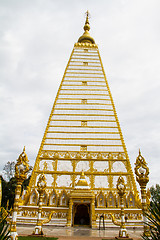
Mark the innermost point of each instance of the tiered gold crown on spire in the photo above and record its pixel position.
(86, 36)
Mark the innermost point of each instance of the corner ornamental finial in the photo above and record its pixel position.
(86, 36)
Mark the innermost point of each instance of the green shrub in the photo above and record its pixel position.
(4, 226)
(153, 216)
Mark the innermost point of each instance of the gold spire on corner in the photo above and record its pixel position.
(86, 36)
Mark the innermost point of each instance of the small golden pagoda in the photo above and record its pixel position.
(82, 153)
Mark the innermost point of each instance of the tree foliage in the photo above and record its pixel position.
(4, 226)
(9, 184)
(9, 170)
(153, 214)
(155, 193)
(8, 192)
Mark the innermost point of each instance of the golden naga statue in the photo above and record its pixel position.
(141, 170)
(22, 166)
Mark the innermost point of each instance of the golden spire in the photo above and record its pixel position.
(86, 36)
(82, 181)
(24, 149)
(87, 26)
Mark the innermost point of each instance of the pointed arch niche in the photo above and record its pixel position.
(131, 200)
(53, 198)
(33, 200)
(101, 201)
(44, 199)
(63, 201)
(111, 200)
(124, 201)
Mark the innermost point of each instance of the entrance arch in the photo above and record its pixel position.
(82, 214)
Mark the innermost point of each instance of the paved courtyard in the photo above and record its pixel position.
(77, 233)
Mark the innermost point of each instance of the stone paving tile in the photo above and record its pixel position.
(79, 233)
(80, 238)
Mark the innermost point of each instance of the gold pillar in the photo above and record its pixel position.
(144, 210)
(142, 172)
(121, 187)
(15, 209)
(93, 213)
(69, 219)
(21, 169)
(40, 213)
(41, 184)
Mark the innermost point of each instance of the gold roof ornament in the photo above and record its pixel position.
(80, 192)
(121, 187)
(41, 184)
(86, 36)
(22, 166)
(82, 182)
(141, 170)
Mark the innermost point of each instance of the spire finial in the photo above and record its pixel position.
(87, 26)
(87, 16)
(86, 38)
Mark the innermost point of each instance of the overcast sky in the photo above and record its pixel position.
(36, 40)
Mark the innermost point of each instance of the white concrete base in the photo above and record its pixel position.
(13, 235)
(38, 230)
(123, 233)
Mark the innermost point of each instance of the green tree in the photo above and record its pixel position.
(9, 184)
(26, 183)
(8, 192)
(4, 226)
(9, 170)
(153, 214)
(155, 193)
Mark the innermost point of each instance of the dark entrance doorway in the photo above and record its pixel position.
(82, 214)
